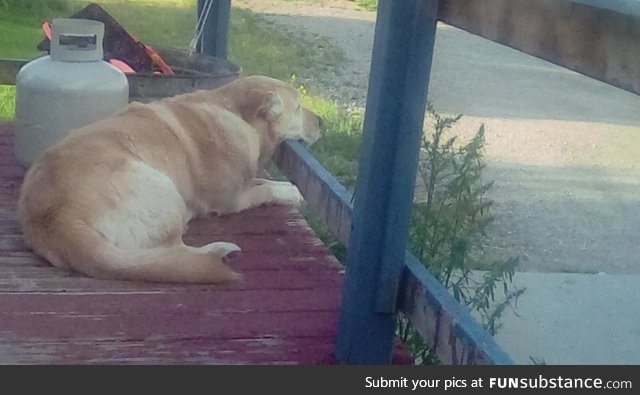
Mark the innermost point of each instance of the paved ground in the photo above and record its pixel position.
(568, 318)
(564, 151)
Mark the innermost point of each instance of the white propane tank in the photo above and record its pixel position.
(67, 89)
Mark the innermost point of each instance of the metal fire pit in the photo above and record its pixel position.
(191, 73)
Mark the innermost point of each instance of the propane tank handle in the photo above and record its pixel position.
(76, 40)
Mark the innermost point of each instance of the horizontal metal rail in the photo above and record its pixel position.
(598, 38)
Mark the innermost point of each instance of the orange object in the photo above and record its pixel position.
(122, 66)
(46, 28)
(157, 59)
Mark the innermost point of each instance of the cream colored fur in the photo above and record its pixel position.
(113, 199)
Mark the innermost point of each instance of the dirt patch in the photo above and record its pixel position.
(564, 150)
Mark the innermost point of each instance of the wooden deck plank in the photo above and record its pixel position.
(169, 324)
(109, 303)
(288, 244)
(200, 350)
(284, 312)
(252, 260)
(62, 281)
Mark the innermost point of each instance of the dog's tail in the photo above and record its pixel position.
(82, 248)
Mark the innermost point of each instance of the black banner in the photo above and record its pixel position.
(326, 380)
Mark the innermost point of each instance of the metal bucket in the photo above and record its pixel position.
(191, 73)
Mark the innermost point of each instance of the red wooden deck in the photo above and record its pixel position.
(284, 313)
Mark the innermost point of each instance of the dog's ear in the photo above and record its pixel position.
(265, 104)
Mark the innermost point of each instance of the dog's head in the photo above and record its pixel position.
(273, 108)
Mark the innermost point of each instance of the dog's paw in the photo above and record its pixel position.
(229, 252)
(287, 194)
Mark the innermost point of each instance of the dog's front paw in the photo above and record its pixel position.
(287, 194)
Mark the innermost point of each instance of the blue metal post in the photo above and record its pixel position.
(215, 36)
(396, 101)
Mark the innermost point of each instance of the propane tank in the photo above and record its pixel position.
(70, 88)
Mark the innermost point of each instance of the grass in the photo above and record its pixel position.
(34, 7)
(20, 22)
(338, 148)
(262, 48)
(370, 5)
(7, 101)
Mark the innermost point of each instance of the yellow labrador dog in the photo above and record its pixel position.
(112, 199)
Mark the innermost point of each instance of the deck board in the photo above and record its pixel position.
(284, 312)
